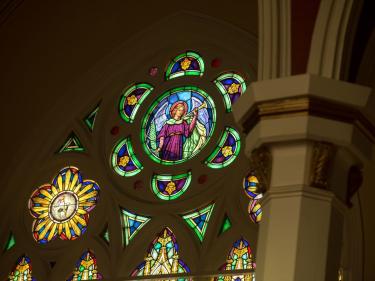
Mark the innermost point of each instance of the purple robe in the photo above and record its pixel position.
(173, 139)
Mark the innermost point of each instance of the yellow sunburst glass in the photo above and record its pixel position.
(62, 207)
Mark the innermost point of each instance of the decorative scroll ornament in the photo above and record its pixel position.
(323, 155)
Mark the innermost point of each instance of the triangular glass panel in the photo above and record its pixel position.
(105, 235)
(198, 220)
(90, 118)
(131, 224)
(225, 225)
(72, 143)
(11, 242)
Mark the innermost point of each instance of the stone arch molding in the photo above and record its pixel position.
(104, 82)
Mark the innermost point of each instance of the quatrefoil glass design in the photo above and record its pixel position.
(178, 125)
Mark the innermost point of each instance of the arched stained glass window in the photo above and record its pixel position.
(86, 268)
(22, 270)
(240, 257)
(167, 155)
(162, 257)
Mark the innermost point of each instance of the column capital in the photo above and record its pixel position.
(307, 107)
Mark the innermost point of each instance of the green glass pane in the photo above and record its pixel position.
(11, 242)
(72, 143)
(225, 225)
(90, 118)
(198, 220)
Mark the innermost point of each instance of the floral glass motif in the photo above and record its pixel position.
(186, 64)
(169, 187)
(132, 223)
(239, 258)
(22, 271)
(62, 207)
(86, 268)
(198, 220)
(178, 125)
(124, 161)
(132, 99)
(226, 151)
(231, 86)
(162, 257)
(251, 188)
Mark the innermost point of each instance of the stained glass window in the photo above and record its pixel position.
(22, 271)
(90, 118)
(178, 125)
(198, 220)
(124, 161)
(169, 187)
(186, 64)
(252, 190)
(225, 225)
(132, 223)
(11, 242)
(239, 258)
(132, 99)
(162, 257)
(231, 86)
(86, 268)
(61, 208)
(72, 143)
(226, 151)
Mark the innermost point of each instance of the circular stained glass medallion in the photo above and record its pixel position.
(63, 206)
(178, 125)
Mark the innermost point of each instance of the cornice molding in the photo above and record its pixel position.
(308, 105)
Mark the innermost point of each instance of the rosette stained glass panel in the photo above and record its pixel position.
(239, 258)
(170, 187)
(162, 257)
(231, 86)
(22, 270)
(132, 224)
(187, 64)
(178, 125)
(62, 207)
(132, 99)
(198, 220)
(226, 151)
(86, 268)
(124, 161)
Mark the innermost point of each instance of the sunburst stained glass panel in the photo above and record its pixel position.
(162, 257)
(131, 100)
(62, 207)
(226, 151)
(86, 268)
(170, 187)
(186, 64)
